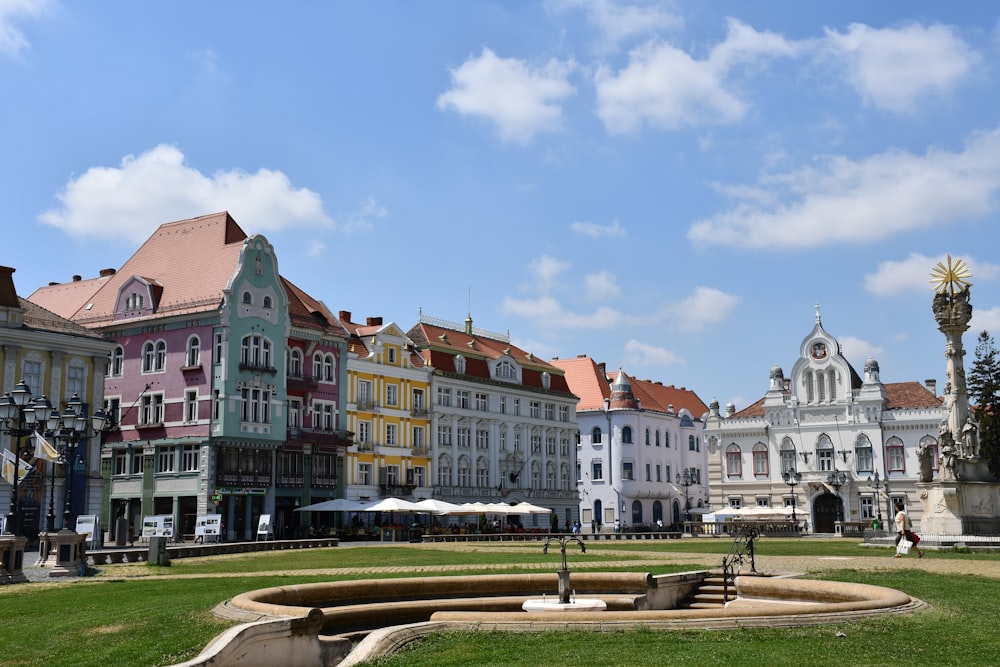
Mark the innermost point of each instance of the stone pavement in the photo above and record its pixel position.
(879, 560)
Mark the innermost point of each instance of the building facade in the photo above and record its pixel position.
(503, 422)
(59, 360)
(198, 383)
(849, 442)
(641, 457)
(388, 401)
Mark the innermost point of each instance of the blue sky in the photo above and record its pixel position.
(668, 187)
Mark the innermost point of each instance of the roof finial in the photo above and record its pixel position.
(817, 314)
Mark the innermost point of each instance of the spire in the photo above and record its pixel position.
(819, 320)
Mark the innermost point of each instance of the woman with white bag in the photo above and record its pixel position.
(906, 538)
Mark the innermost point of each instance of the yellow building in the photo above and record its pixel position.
(388, 395)
(65, 363)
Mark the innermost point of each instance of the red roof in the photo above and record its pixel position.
(899, 395)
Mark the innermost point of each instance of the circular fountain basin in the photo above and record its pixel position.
(575, 605)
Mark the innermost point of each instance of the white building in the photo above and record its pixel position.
(853, 440)
(641, 457)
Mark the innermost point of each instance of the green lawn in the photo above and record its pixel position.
(164, 616)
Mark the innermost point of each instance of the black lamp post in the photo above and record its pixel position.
(837, 480)
(73, 429)
(877, 483)
(19, 418)
(686, 480)
(792, 477)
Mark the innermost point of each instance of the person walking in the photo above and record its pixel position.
(904, 528)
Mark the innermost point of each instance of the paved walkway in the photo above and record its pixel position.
(879, 560)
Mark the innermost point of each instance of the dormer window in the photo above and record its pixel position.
(459, 364)
(134, 302)
(546, 380)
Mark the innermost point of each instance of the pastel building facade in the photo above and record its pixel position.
(388, 409)
(641, 455)
(198, 380)
(837, 429)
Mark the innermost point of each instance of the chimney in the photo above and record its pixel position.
(374, 321)
(931, 385)
(602, 368)
(8, 295)
(345, 316)
(107, 272)
(77, 279)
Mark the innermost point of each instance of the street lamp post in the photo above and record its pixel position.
(686, 480)
(837, 480)
(877, 483)
(792, 477)
(19, 417)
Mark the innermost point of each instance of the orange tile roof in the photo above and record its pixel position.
(899, 395)
(193, 259)
(586, 380)
(306, 312)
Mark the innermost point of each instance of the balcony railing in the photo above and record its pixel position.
(270, 370)
(396, 490)
(419, 412)
(368, 405)
(301, 383)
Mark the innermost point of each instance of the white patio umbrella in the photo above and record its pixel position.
(444, 507)
(335, 505)
(394, 505)
(527, 508)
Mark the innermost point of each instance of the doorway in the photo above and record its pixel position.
(826, 509)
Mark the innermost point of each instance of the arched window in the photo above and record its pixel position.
(247, 299)
(647, 437)
(459, 363)
(161, 357)
(148, 357)
(193, 354)
(328, 368)
(931, 445)
(636, 513)
(627, 435)
(267, 302)
(894, 452)
(863, 459)
(734, 461)
(317, 366)
(657, 511)
(295, 363)
(824, 453)
(666, 438)
(595, 435)
(255, 351)
(117, 363)
(760, 463)
(657, 437)
(444, 470)
(787, 455)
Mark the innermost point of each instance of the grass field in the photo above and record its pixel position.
(144, 615)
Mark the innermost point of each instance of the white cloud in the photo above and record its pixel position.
(913, 274)
(643, 354)
(665, 87)
(546, 271)
(12, 39)
(519, 99)
(620, 22)
(128, 202)
(600, 286)
(858, 351)
(363, 219)
(315, 249)
(548, 312)
(705, 306)
(847, 201)
(595, 230)
(984, 320)
(896, 68)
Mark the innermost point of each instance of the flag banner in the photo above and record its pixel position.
(44, 449)
(8, 467)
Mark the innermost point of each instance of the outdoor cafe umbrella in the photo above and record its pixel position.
(444, 507)
(527, 508)
(335, 505)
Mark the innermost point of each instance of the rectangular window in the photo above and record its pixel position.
(482, 402)
(390, 353)
(444, 396)
(390, 435)
(365, 395)
(536, 443)
(760, 468)
(658, 473)
(482, 438)
(596, 471)
(364, 436)
(867, 508)
(256, 405)
(164, 459)
(217, 349)
(294, 413)
(734, 467)
(419, 476)
(138, 461)
(364, 473)
(113, 409)
(627, 472)
(482, 477)
(392, 395)
(787, 460)
(121, 462)
(735, 503)
(649, 477)
(444, 435)
(825, 457)
(464, 436)
(418, 402)
(191, 405)
(517, 407)
(550, 445)
(151, 409)
(418, 439)
(535, 410)
(74, 380)
(462, 399)
(191, 456)
(503, 405)
(564, 413)
(863, 458)
(895, 453)
(550, 411)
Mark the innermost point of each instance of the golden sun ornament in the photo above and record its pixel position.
(951, 277)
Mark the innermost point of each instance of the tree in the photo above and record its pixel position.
(984, 392)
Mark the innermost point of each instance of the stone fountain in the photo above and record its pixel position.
(962, 499)
(567, 597)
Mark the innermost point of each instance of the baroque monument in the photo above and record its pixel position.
(962, 498)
